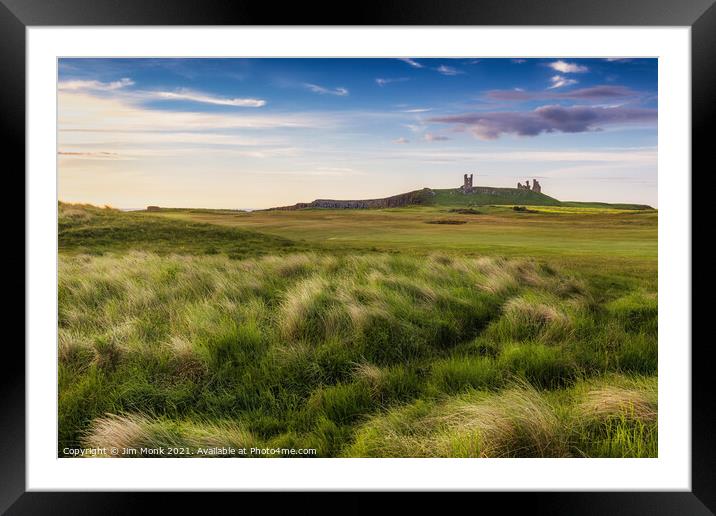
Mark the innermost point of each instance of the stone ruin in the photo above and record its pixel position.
(536, 187)
(467, 184)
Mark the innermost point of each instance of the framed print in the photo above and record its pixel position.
(425, 249)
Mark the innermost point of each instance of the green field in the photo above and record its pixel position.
(464, 329)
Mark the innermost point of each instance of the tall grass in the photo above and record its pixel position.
(355, 354)
(589, 419)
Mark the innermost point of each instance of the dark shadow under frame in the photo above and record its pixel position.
(16, 15)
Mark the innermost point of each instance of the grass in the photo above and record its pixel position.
(91, 230)
(590, 419)
(281, 341)
(617, 242)
(504, 196)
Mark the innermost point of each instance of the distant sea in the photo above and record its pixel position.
(144, 208)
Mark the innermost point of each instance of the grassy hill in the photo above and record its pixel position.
(616, 206)
(454, 197)
(486, 195)
(93, 230)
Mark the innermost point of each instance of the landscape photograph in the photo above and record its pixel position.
(357, 257)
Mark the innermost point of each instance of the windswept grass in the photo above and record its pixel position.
(258, 342)
(92, 230)
(589, 419)
(307, 343)
(145, 435)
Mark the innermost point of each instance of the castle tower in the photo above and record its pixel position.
(467, 183)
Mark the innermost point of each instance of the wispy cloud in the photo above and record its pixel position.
(622, 157)
(546, 119)
(335, 169)
(417, 110)
(196, 96)
(382, 81)
(633, 156)
(401, 141)
(89, 113)
(519, 61)
(90, 154)
(416, 128)
(79, 85)
(448, 70)
(558, 81)
(315, 88)
(591, 93)
(411, 62)
(564, 67)
(430, 137)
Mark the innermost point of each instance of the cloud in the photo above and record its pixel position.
(627, 156)
(564, 67)
(415, 128)
(448, 70)
(600, 92)
(559, 82)
(417, 110)
(83, 112)
(315, 88)
(546, 119)
(617, 59)
(90, 154)
(519, 61)
(411, 62)
(79, 85)
(429, 137)
(335, 169)
(401, 140)
(382, 82)
(591, 93)
(195, 96)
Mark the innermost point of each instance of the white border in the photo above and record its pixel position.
(670, 471)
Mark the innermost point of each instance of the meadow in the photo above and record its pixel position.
(433, 331)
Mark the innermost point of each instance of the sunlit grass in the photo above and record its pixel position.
(358, 353)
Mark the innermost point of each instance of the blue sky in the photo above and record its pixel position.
(254, 133)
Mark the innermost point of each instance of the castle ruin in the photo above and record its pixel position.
(536, 187)
(467, 184)
(468, 187)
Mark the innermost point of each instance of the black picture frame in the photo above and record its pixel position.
(700, 15)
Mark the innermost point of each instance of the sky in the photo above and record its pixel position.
(257, 133)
